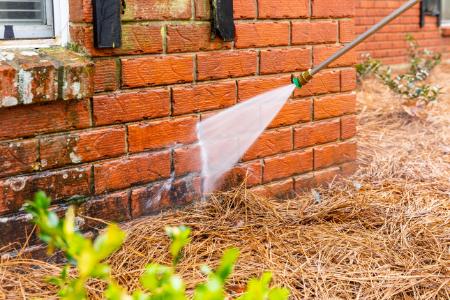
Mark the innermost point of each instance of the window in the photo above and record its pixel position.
(446, 12)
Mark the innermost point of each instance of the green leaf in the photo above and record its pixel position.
(180, 238)
(227, 263)
(109, 241)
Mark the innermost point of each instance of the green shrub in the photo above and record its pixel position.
(158, 281)
(408, 85)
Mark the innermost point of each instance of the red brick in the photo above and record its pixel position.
(80, 10)
(155, 197)
(16, 230)
(105, 76)
(109, 208)
(285, 60)
(334, 106)
(187, 160)
(346, 31)
(250, 173)
(250, 35)
(270, 143)
(136, 39)
(334, 154)
(249, 88)
(131, 106)
(244, 9)
(293, 112)
(161, 134)
(303, 183)
(9, 95)
(322, 83)
(282, 9)
(316, 133)
(202, 10)
(41, 86)
(287, 165)
(157, 70)
(193, 37)
(58, 185)
(332, 9)
(31, 120)
(80, 147)
(348, 126)
(320, 53)
(125, 172)
(137, 10)
(314, 33)
(197, 98)
(326, 177)
(348, 169)
(18, 157)
(280, 190)
(226, 64)
(348, 80)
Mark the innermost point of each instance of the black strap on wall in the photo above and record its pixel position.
(107, 25)
(222, 19)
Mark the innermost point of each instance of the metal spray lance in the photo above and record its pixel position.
(306, 76)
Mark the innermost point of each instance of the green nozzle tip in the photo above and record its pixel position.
(297, 82)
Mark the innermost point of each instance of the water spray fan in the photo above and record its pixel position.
(225, 137)
(306, 76)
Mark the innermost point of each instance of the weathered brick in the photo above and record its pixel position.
(203, 97)
(187, 160)
(80, 147)
(202, 9)
(262, 34)
(348, 126)
(348, 169)
(226, 64)
(270, 143)
(80, 10)
(322, 83)
(332, 9)
(125, 172)
(157, 10)
(157, 70)
(18, 157)
(131, 106)
(136, 39)
(334, 106)
(346, 30)
(314, 33)
(285, 60)
(161, 134)
(105, 75)
(15, 230)
(244, 9)
(283, 9)
(280, 190)
(327, 176)
(37, 81)
(250, 173)
(248, 88)
(348, 80)
(293, 112)
(320, 53)
(30, 120)
(156, 197)
(109, 208)
(193, 37)
(335, 154)
(316, 133)
(287, 165)
(58, 185)
(303, 183)
(9, 94)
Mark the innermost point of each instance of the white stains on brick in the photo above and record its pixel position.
(76, 88)
(28, 53)
(65, 176)
(74, 158)
(17, 184)
(44, 163)
(6, 56)
(9, 101)
(25, 80)
(173, 7)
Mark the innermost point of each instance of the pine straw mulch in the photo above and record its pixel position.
(389, 239)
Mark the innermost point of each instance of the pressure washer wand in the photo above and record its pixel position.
(306, 76)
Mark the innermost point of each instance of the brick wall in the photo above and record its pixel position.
(112, 153)
(389, 44)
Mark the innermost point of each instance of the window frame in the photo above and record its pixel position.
(59, 16)
(445, 20)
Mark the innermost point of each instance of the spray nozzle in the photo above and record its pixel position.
(302, 79)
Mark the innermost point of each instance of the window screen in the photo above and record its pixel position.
(24, 19)
(446, 12)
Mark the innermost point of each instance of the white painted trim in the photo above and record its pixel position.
(61, 30)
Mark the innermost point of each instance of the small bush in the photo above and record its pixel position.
(410, 85)
(158, 281)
